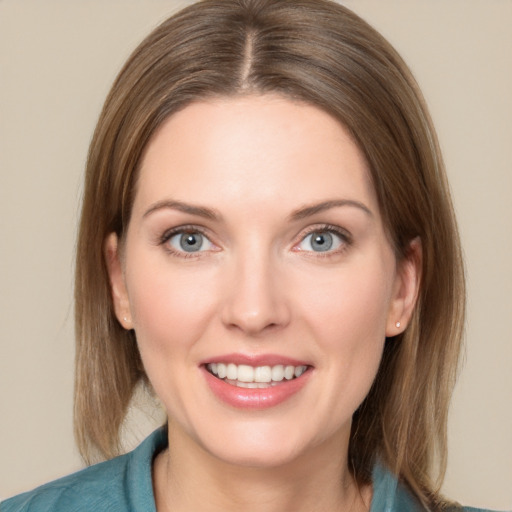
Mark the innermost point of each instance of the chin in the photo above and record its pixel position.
(263, 448)
(257, 458)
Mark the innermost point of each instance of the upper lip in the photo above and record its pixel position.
(256, 360)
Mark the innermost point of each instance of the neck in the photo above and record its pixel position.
(186, 477)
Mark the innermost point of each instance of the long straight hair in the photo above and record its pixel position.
(321, 53)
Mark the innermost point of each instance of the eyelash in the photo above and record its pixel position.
(181, 230)
(343, 235)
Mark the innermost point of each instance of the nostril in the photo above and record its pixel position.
(254, 303)
(254, 325)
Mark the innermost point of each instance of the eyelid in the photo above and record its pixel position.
(183, 229)
(342, 233)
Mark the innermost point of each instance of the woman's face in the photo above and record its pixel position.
(258, 277)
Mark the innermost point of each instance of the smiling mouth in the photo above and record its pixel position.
(254, 377)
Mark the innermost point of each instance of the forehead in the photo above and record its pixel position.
(254, 148)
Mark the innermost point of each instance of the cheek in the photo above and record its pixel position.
(350, 304)
(347, 317)
(169, 308)
(171, 311)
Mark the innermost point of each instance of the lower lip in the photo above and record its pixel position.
(260, 398)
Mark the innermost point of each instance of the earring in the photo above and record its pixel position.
(398, 324)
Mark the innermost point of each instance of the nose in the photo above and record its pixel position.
(255, 296)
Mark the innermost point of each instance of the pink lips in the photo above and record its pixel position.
(261, 398)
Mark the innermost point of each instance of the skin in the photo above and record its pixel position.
(258, 286)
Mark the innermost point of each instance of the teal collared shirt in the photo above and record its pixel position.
(124, 484)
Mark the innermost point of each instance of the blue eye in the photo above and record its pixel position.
(321, 241)
(190, 241)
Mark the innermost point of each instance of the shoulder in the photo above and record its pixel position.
(473, 509)
(119, 484)
(390, 495)
(99, 487)
(470, 509)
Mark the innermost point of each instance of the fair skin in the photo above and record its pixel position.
(256, 239)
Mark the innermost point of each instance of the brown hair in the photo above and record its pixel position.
(318, 52)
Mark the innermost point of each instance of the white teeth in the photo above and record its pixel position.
(245, 373)
(299, 370)
(252, 385)
(221, 370)
(231, 372)
(278, 373)
(262, 374)
(246, 376)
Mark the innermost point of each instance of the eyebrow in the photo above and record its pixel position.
(308, 211)
(301, 213)
(191, 209)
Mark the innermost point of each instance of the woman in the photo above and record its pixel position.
(267, 241)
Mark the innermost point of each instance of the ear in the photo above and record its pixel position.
(406, 289)
(117, 283)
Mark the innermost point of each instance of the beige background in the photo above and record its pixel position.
(57, 60)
